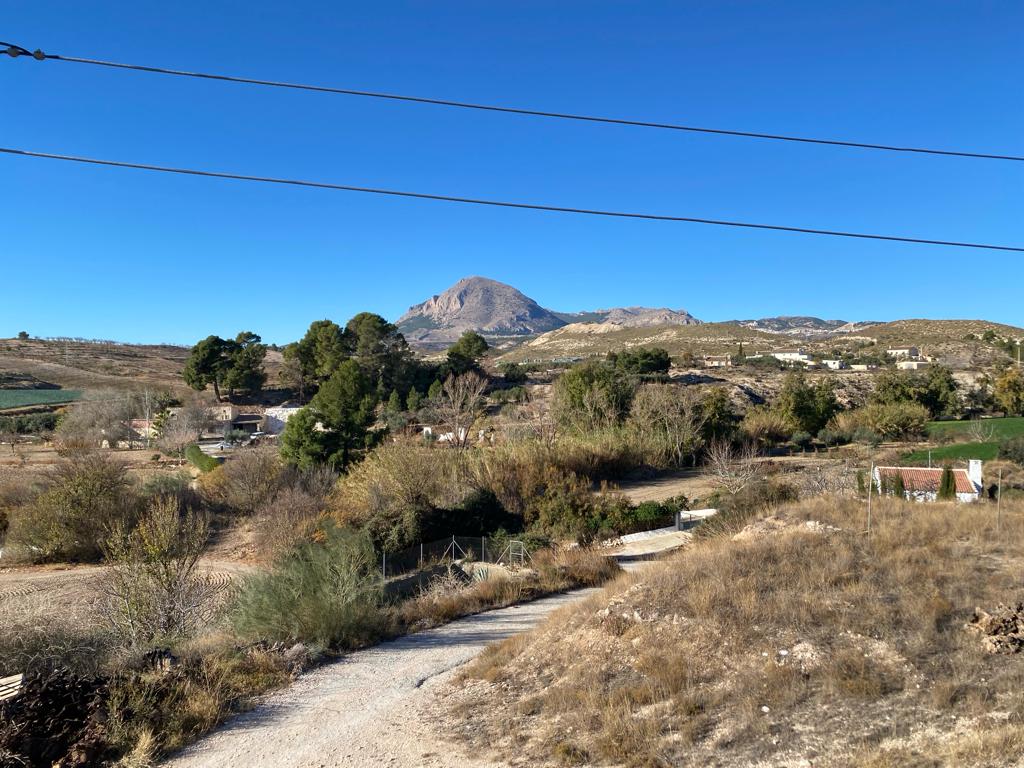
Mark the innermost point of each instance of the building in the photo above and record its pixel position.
(791, 356)
(862, 367)
(922, 484)
(912, 365)
(248, 423)
(275, 418)
(717, 361)
(903, 352)
(835, 365)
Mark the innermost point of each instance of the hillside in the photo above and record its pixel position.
(957, 343)
(805, 327)
(595, 339)
(798, 640)
(85, 365)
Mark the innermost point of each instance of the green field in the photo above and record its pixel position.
(20, 398)
(958, 451)
(987, 450)
(1001, 428)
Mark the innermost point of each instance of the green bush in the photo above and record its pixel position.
(86, 496)
(326, 593)
(200, 460)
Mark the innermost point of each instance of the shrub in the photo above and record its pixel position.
(1012, 450)
(766, 425)
(200, 460)
(250, 478)
(156, 595)
(325, 592)
(87, 495)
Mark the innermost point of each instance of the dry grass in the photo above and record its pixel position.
(796, 643)
(551, 571)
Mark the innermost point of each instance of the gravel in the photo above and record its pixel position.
(369, 709)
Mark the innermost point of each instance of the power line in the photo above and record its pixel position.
(15, 51)
(501, 203)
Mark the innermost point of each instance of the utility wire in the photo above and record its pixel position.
(501, 203)
(16, 51)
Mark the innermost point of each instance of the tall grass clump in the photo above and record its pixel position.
(325, 592)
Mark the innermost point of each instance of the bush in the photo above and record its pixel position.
(87, 496)
(765, 425)
(156, 594)
(325, 592)
(200, 460)
(1012, 450)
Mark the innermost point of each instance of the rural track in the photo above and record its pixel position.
(372, 707)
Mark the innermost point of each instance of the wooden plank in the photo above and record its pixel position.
(9, 686)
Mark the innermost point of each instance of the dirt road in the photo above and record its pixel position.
(369, 708)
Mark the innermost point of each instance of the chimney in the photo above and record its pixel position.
(974, 472)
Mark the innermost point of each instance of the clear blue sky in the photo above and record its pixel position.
(144, 257)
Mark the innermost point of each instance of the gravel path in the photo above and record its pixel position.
(367, 709)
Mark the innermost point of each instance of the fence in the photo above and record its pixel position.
(485, 549)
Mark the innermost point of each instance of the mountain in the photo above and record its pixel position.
(499, 311)
(645, 317)
(478, 304)
(804, 327)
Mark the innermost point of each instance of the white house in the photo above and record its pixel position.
(903, 352)
(912, 365)
(835, 365)
(275, 418)
(862, 367)
(791, 356)
(717, 361)
(922, 484)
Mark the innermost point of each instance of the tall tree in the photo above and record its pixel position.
(380, 349)
(246, 354)
(207, 364)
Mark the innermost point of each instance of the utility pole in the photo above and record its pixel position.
(999, 499)
(871, 483)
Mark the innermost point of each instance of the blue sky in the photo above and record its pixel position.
(145, 257)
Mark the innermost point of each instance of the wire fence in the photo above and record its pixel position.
(485, 549)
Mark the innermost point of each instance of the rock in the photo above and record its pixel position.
(1001, 631)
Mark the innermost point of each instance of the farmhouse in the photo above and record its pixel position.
(717, 361)
(912, 365)
(275, 418)
(791, 356)
(835, 365)
(922, 484)
(903, 352)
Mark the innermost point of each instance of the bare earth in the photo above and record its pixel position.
(371, 708)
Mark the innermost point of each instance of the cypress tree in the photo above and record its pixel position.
(947, 485)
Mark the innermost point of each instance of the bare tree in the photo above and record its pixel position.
(103, 416)
(981, 432)
(732, 469)
(459, 404)
(194, 417)
(668, 421)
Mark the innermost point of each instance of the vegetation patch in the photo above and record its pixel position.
(21, 398)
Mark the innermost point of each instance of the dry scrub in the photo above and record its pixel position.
(802, 639)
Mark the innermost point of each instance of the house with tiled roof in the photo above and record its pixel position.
(922, 483)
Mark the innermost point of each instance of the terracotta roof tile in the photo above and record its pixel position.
(924, 480)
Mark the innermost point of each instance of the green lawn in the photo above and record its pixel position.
(1001, 428)
(20, 398)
